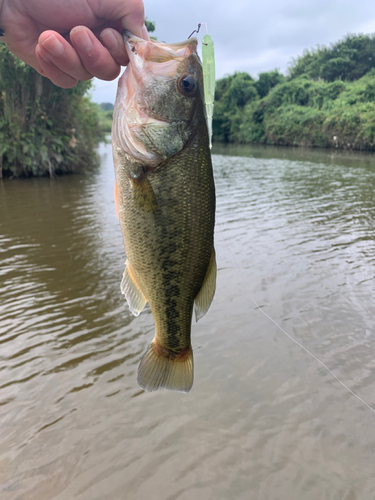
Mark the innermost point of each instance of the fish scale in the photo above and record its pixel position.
(166, 205)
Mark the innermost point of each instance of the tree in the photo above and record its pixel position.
(43, 128)
(348, 59)
(231, 95)
(266, 81)
(150, 25)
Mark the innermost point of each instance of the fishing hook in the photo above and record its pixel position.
(195, 31)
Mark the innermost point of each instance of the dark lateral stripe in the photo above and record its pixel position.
(2, 33)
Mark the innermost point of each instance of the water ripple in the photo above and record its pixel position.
(295, 231)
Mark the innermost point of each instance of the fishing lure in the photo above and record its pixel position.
(208, 63)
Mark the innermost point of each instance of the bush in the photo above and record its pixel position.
(44, 129)
(327, 101)
(348, 59)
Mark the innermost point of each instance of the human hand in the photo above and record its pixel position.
(53, 36)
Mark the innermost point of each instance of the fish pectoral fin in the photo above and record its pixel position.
(132, 291)
(143, 194)
(205, 295)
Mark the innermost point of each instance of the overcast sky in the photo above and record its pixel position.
(255, 36)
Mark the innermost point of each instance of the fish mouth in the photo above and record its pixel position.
(173, 46)
(160, 59)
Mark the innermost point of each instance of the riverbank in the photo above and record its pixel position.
(327, 101)
(44, 130)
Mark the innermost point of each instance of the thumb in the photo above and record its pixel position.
(129, 12)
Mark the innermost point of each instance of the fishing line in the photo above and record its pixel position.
(291, 338)
(234, 259)
(312, 355)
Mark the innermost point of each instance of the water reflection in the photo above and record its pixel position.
(295, 231)
(340, 157)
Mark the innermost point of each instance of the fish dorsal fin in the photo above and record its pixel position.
(132, 291)
(206, 293)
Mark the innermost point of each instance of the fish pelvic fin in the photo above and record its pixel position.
(162, 368)
(206, 294)
(132, 291)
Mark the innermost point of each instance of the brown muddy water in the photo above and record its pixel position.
(295, 232)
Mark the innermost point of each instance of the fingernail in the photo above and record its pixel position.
(53, 46)
(82, 39)
(109, 39)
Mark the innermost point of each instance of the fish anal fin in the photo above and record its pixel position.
(205, 295)
(132, 291)
(161, 368)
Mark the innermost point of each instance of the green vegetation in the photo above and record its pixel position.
(327, 100)
(44, 129)
(150, 25)
(105, 114)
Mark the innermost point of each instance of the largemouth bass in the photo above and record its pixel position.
(165, 200)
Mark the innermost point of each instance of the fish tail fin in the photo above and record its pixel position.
(161, 367)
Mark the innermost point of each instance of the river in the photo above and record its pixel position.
(264, 420)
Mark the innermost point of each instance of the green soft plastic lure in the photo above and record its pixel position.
(208, 62)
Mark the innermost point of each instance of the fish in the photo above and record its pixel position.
(165, 199)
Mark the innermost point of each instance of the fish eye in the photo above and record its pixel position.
(187, 85)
